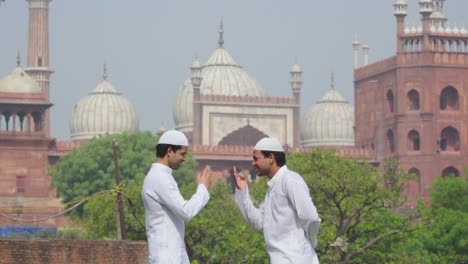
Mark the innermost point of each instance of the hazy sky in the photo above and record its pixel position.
(149, 45)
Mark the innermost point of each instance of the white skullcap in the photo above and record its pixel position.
(269, 144)
(173, 137)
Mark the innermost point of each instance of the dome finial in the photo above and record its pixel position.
(332, 80)
(221, 31)
(18, 59)
(104, 71)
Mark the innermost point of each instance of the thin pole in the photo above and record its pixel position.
(120, 213)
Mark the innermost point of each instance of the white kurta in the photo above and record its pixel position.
(287, 216)
(165, 212)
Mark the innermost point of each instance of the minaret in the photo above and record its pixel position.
(426, 9)
(296, 84)
(356, 45)
(400, 7)
(197, 118)
(38, 49)
(438, 18)
(365, 52)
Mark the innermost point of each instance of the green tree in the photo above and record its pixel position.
(356, 202)
(445, 221)
(90, 168)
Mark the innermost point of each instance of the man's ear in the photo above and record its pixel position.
(169, 151)
(272, 157)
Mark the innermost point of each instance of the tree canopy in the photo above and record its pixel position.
(359, 205)
(355, 201)
(90, 168)
(445, 221)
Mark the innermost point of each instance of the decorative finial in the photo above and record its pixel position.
(221, 31)
(104, 71)
(18, 59)
(332, 80)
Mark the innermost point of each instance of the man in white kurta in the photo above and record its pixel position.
(287, 216)
(165, 208)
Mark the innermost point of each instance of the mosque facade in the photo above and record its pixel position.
(410, 106)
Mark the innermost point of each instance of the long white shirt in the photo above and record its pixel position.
(165, 212)
(287, 216)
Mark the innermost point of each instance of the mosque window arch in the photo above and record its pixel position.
(37, 118)
(390, 101)
(449, 99)
(449, 139)
(21, 121)
(450, 171)
(390, 141)
(413, 99)
(413, 141)
(7, 120)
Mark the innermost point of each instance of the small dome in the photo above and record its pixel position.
(196, 63)
(221, 75)
(103, 111)
(329, 122)
(18, 81)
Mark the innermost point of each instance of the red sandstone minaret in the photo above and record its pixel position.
(38, 49)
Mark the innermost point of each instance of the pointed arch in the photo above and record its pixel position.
(413, 141)
(390, 141)
(7, 118)
(450, 171)
(247, 135)
(449, 139)
(413, 99)
(449, 99)
(37, 119)
(390, 101)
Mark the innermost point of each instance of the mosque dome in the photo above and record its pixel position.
(103, 111)
(330, 122)
(18, 81)
(221, 75)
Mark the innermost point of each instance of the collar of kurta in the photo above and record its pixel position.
(162, 167)
(279, 174)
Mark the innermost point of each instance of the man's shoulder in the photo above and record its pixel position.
(292, 176)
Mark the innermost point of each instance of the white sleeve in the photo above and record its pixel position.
(299, 195)
(251, 214)
(170, 196)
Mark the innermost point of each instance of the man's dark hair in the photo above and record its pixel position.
(161, 149)
(280, 157)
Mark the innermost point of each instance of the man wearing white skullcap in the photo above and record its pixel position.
(165, 208)
(287, 216)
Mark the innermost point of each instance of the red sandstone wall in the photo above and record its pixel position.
(57, 251)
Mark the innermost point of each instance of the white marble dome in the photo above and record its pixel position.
(18, 81)
(330, 122)
(103, 111)
(221, 75)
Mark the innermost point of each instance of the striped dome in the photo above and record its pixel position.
(221, 75)
(103, 111)
(330, 122)
(18, 81)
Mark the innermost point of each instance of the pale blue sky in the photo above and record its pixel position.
(149, 45)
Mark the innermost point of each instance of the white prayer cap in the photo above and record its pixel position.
(173, 137)
(269, 144)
